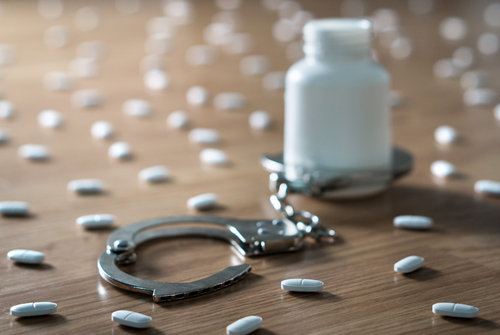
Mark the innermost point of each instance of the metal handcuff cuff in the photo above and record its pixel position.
(249, 237)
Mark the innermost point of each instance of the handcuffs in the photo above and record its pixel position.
(249, 237)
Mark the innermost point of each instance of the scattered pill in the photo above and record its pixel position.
(238, 43)
(87, 18)
(254, 65)
(416, 222)
(463, 57)
(491, 14)
(86, 186)
(443, 169)
(454, 310)
(58, 81)
(33, 309)
(197, 96)
(352, 8)
(4, 135)
(137, 108)
(420, 7)
(180, 11)
(480, 97)
(445, 135)
(57, 36)
(475, 79)
(217, 33)
(152, 62)
(197, 55)
(453, 28)
(295, 51)
(488, 187)
(229, 100)
(96, 221)
(128, 7)
(284, 31)
(401, 48)
(231, 18)
(228, 4)
(387, 35)
(177, 119)
(203, 201)
(49, 118)
(131, 319)
(26, 256)
(84, 67)
(159, 43)
(161, 24)
(409, 264)
(7, 54)
(154, 174)
(33, 151)
(302, 285)
(50, 9)
(120, 150)
(271, 4)
(93, 49)
(156, 80)
(14, 208)
(259, 120)
(87, 98)
(244, 326)
(204, 135)
(488, 44)
(444, 68)
(212, 156)
(6, 109)
(102, 129)
(273, 81)
(496, 112)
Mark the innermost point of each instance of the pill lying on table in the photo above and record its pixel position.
(259, 120)
(6, 109)
(229, 100)
(480, 97)
(154, 174)
(4, 135)
(488, 43)
(156, 80)
(444, 68)
(455, 310)
(96, 221)
(244, 326)
(238, 43)
(86, 186)
(26, 256)
(120, 150)
(463, 57)
(14, 208)
(93, 49)
(152, 62)
(475, 79)
(50, 118)
(254, 65)
(57, 36)
(197, 96)
(58, 81)
(102, 129)
(33, 309)
(137, 108)
(396, 98)
(87, 98)
(489, 187)
(413, 222)
(177, 119)
(445, 135)
(159, 43)
(131, 319)
(197, 55)
(33, 151)
(409, 264)
(204, 135)
(203, 201)
(453, 28)
(84, 67)
(302, 285)
(213, 157)
(443, 169)
(273, 81)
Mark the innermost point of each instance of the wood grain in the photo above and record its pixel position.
(362, 293)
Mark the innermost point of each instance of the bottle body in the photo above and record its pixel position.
(337, 119)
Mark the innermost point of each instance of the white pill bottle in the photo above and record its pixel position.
(337, 116)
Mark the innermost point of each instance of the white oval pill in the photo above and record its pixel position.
(489, 187)
(6, 109)
(33, 309)
(33, 151)
(302, 285)
(50, 118)
(177, 119)
(14, 208)
(156, 80)
(212, 156)
(413, 222)
(50, 9)
(84, 67)
(86, 186)
(455, 310)
(197, 96)
(154, 174)
(87, 98)
(57, 36)
(161, 24)
(159, 43)
(273, 81)
(259, 120)
(137, 108)
(217, 33)
(488, 44)
(444, 68)
(96, 221)
(254, 65)
(463, 57)
(102, 129)
(4, 135)
(92, 49)
(284, 30)
(475, 79)
(204, 135)
(132, 319)
(480, 97)
(120, 150)
(453, 28)
(445, 135)
(197, 55)
(229, 100)
(239, 43)
(244, 326)
(401, 48)
(203, 201)
(443, 169)
(58, 81)
(26, 256)
(409, 264)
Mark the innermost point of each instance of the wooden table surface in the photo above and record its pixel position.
(362, 293)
